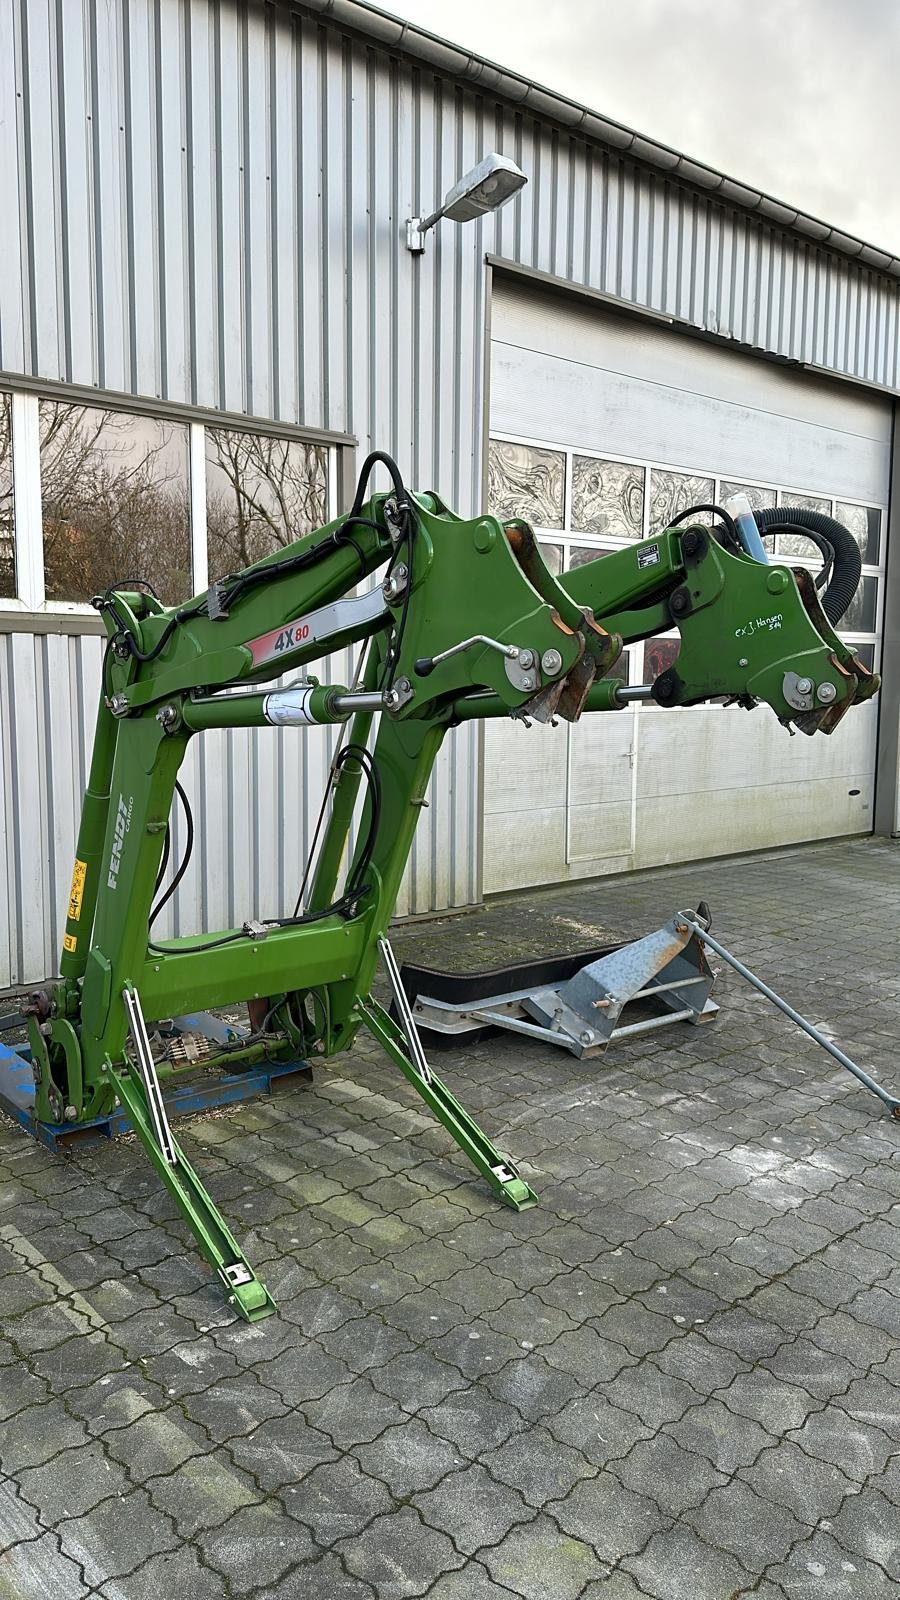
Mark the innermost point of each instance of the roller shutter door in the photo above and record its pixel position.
(602, 428)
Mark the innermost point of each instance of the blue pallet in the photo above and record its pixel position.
(17, 1098)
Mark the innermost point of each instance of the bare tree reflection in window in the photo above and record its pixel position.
(607, 498)
(526, 481)
(262, 493)
(115, 504)
(7, 524)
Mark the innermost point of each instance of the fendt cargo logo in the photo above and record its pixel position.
(123, 823)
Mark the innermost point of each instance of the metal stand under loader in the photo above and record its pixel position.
(666, 973)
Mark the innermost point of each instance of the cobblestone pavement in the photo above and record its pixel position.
(677, 1377)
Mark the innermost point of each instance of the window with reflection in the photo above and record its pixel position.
(674, 492)
(859, 616)
(607, 498)
(526, 481)
(659, 656)
(7, 520)
(262, 493)
(115, 502)
(553, 556)
(864, 522)
(794, 544)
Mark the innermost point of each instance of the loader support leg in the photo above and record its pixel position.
(495, 1168)
(135, 1089)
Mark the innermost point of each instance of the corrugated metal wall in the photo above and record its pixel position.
(205, 203)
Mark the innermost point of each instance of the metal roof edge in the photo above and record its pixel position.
(394, 33)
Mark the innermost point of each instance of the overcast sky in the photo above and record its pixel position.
(798, 97)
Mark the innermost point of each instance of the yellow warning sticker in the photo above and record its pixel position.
(70, 941)
(76, 893)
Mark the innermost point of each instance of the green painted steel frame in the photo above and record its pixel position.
(742, 626)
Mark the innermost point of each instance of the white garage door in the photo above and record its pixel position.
(603, 428)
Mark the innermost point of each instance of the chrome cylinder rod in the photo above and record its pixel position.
(637, 691)
(892, 1103)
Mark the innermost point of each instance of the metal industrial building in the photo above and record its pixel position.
(204, 270)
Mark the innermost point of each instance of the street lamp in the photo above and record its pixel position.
(486, 187)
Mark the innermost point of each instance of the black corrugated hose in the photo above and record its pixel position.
(845, 577)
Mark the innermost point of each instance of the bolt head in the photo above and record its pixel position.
(804, 685)
(743, 662)
(526, 659)
(551, 661)
(826, 693)
(586, 1037)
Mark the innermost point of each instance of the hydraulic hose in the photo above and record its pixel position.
(845, 577)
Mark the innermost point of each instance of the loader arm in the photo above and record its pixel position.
(457, 619)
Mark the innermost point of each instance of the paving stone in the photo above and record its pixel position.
(869, 1525)
(534, 1387)
(73, 1483)
(338, 1499)
(748, 1336)
(472, 1508)
(157, 1443)
(399, 1555)
(418, 1379)
(675, 1479)
(788, 1476)
(537, 1560)
(610, 1518)
(775, 1406)
(654, 1396)
(353, 1413)
(640, 1330)
(409, 1458)
(470, 1583)
(177, 1573)
(753, 1529)
(678, 1565)
(859, 1450)
(602, 1432)
(322, 1578)
(538, 1466)
(36, 1434)
(821, 1373)
(203, 1492)
(820, 1568)
(281, 1452)
(192, 1366)
(257, 1546)
(473, 1420)
(117, 1537)
(37, 1570)
(306, 1372)
(726, 1440)
(860, 1343)
(703, 1366)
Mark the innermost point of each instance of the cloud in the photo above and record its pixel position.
(797, 97)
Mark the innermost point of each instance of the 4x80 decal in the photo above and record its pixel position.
(323, 624)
